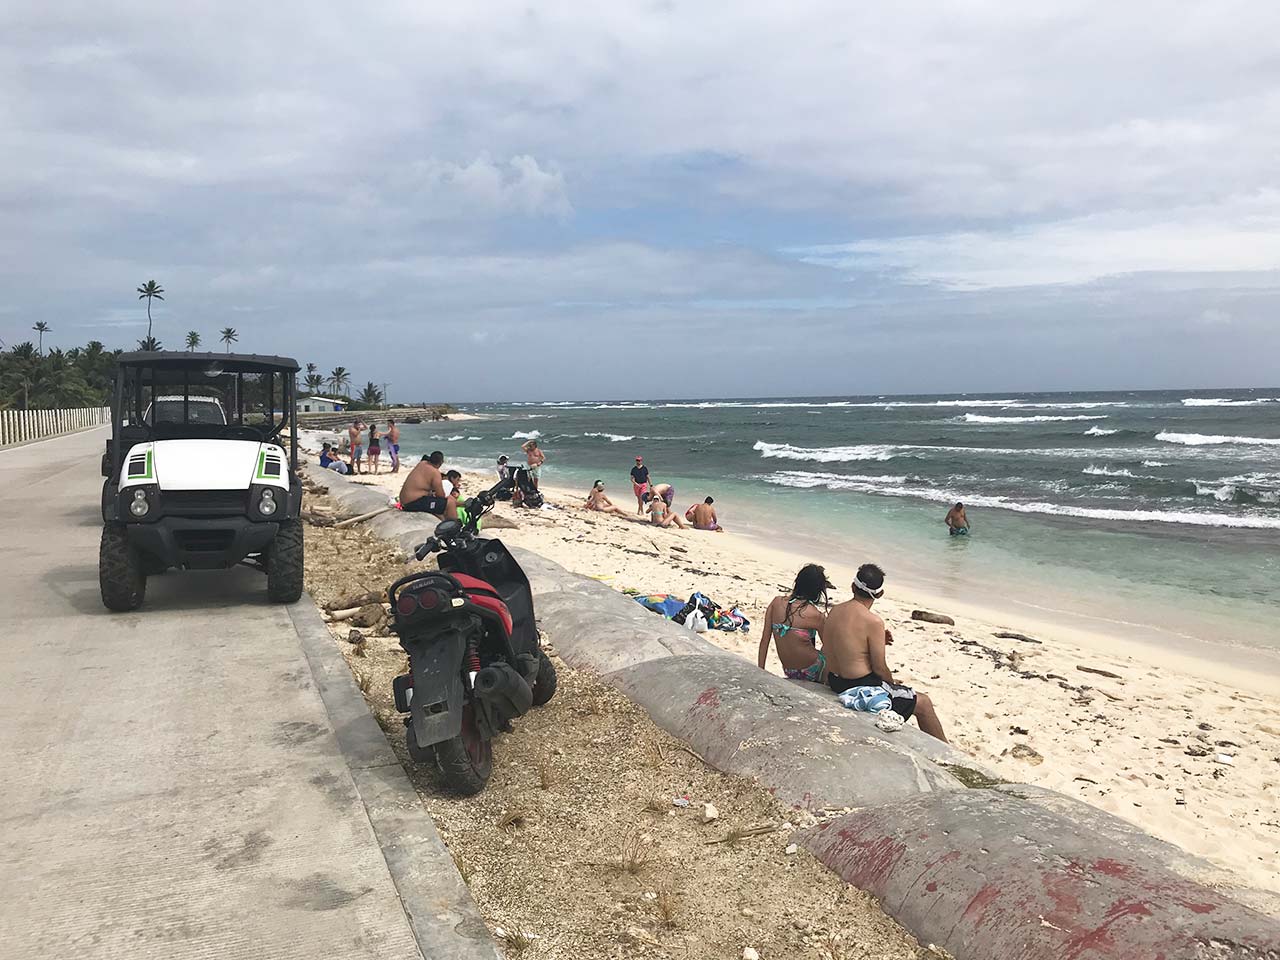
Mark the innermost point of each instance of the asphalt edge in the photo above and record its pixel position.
(437, 903)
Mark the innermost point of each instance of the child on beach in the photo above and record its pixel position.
(794, 623)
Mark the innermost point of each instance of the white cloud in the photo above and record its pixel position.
(485, 186)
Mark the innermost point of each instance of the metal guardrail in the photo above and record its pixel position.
(19, 426)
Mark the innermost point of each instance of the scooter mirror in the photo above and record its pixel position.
(448, 529)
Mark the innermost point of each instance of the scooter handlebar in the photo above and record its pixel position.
(426, 549)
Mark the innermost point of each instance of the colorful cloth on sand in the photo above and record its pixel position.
(673, 609)
(866, 699)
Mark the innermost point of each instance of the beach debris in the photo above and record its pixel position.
(1195, 751)
(1010, 635)
(352, 521)
(928, 617)
(750, 953)
(1171, 740)
(889, 722)
(791, 849)
(680, 802)
(355, 600)
(1226, 759)
(1084, 780)
(1019, 731)
(709, 812)
(1023, 752)
(745, 833)
(1205, 726)
(1101, 673)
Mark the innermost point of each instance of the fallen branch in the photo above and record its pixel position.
(1101, 673)
(1007, 635)
(362, 518)
(743, 833)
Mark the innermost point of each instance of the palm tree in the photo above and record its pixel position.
(314, 381)
(340, 379)
(371, 394)
(229, 336)
(150, 291)
(311, 368)
(149, 345)
(41, 328)
(193, 340)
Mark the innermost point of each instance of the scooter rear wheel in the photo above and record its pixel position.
(464, 762)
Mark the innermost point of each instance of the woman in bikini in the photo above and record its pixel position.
(375, 446)
(795, 622)
(597, 501)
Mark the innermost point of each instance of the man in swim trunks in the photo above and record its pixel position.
(957, 522)
(703, 516)
(357, 451)
(534, 456)
(854, 639)
(424, 490)
(664, 490)
(393, 445)
(640, 483)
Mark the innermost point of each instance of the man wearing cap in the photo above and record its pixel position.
(853, 641)
(640, 483)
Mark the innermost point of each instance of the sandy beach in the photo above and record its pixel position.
(1177, 746)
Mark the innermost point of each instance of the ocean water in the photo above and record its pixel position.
(1155, 513)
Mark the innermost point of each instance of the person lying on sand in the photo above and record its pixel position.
(956, 521)
(794, 623)
(853, 641)
(703, 516)
(660, 512)
(597, 501)
(424, 490)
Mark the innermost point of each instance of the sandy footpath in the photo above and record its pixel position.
(1193, 760)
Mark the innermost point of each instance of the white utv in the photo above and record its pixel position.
(201, 472)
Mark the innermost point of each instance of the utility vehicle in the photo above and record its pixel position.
(199, 472)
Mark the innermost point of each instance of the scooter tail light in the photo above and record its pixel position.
(406, 604)
(428, 599)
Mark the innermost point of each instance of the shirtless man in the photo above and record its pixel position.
(853, 642)
(534, 457)
(357, 451)
(424, 490)
(393, 445)
(703, 516)
(957, 522)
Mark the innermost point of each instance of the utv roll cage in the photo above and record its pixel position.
(141, 377)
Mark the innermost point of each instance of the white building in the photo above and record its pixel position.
(320, 405)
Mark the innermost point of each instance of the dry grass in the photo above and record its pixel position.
(667, 906)
(512, 819)
(657, 805)
(366, 684)
(517, 941)
(635, 854)
(464, 868)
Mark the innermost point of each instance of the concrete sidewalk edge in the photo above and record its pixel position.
(444, 917)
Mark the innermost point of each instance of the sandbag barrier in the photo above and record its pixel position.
(986, 869)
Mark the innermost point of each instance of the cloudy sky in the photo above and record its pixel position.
(509, 201)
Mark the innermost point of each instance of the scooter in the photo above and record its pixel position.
(474, 659)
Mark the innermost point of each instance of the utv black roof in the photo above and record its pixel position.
(231, 362)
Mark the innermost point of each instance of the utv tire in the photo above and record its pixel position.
(108, 502)
(120, 575)
(284, 563)
(544, 685)
(464, 763)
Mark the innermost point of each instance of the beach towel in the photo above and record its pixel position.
(866, 699)
(662, 603)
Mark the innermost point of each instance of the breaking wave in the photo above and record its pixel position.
(531, 435)
(1204, 439)
(1099, 432)
(979, 418)
(612, 437)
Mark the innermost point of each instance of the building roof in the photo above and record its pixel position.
(321, 399)
(230, 362)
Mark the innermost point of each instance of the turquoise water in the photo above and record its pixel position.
(1154, 512)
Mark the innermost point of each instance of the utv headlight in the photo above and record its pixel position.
(267, 502)
(139, 506)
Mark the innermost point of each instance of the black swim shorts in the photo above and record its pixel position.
(426, 504)
(903, 699)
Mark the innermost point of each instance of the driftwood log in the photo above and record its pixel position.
(928, 617)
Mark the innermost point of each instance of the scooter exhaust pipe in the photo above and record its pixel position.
(500, 695)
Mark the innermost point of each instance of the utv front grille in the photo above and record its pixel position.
(205, 503)
(204, 541)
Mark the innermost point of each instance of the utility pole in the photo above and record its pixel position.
(386, 403)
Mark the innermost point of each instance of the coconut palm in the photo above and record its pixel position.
(229, 336)
(340, 379)
(193, 340)
(314, 382)
(311, 368)
(149, 345)
(41, 328)
(371, 394)
(150, 291)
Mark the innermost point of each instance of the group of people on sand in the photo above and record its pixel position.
(854, 641)
(654, 503)
(331, 458)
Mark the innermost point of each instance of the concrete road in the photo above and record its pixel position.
(170, 781)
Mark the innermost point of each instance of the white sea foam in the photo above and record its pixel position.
(612, 437)
(1223, 493)
(1099, 432)
(979, 418)
(833, 481)
(1204, 439)
(475, 438)
(1227, 402)
(1154, 463)
(1093, 471)
(866, 451)
(531, 435)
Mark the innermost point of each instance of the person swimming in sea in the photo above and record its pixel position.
(794, 623)
(957, 522)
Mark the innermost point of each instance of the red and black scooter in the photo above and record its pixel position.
(474, 659)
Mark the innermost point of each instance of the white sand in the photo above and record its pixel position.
(1126, 755)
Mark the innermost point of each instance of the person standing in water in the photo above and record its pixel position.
(957, 522)
(393, 445)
